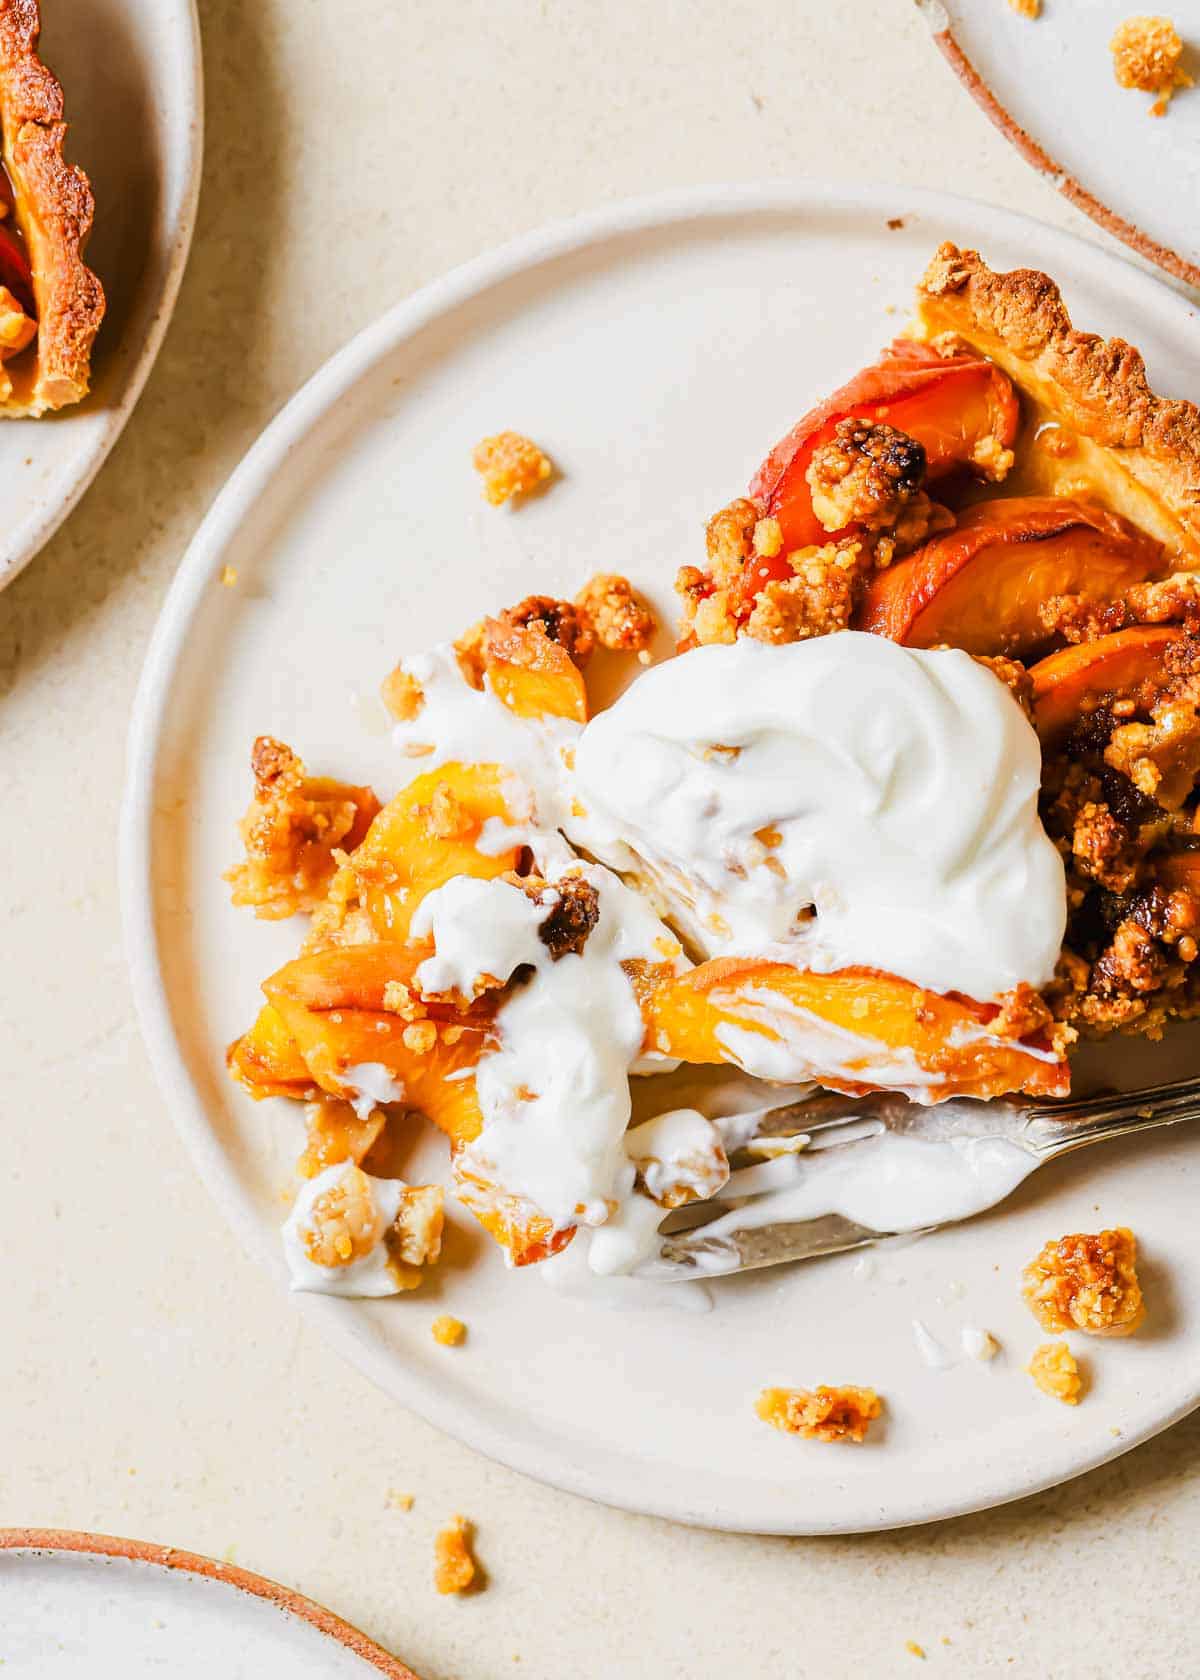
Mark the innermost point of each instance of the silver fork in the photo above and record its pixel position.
(831, 1131)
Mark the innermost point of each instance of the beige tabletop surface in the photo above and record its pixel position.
(156, 1382)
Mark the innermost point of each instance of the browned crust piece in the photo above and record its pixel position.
(54, 209)
(1096, 386)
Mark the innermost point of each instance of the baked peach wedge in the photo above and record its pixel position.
(856, 1030)
(353, 1019)
(959, 407)
(981, 586)
(1078, 678)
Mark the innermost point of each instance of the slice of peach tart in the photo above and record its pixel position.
(912, 807)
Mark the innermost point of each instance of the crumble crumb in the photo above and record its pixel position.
(345, 1223)
(399, 1501)
(563, 622)
(1146, 52)
(820, 1414)
(1084, 1282)
(510, 465)
(914, 1650)
(1027, 8)
(291, 832)
(1055, 1371)
(229, 576)
(402, 695)
(448, 1331)
(818, 599)
(454, 1567)
(864, 475)
(415, 1239)
(419, 1037)
(895, 222)
(621, 621)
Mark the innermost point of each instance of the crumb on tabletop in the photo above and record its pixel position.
(620, 620)
(1087, 1282)
(448, 1331)
(399, 1501)
(229, 576)
(914, 1650)
(455, 1568)
(1056, 1372)
(511, 466)
(820, 1414)
(1146, 53)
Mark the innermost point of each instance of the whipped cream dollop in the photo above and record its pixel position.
(833, 803)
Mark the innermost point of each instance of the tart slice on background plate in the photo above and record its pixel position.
(51, 304)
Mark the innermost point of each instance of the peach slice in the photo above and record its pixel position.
(959, 407)
(427, 835)
(851, 1030)
(266, 1061)
(331, 1005)
(980, 586)
(534, 676)
(1066, 683)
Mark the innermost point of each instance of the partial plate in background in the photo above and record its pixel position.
(132, 82)
(1048, 85)
(75, 1605)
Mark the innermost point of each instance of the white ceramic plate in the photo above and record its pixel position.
(74, 1605)
(656, 350)
(132, 79)
(1048, 85)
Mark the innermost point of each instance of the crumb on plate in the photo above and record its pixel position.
(1055, 1371)
(402, 695)
(454, 1567)
(1085, 1282)
(620, 620)
(510, 465)
(399, 1501)
(447, 1330)
(820, 1414)
(1027, 8)
(1146, 52)
(914, 1650)
(229, 576)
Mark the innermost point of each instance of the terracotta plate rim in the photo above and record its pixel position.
(228, 1574)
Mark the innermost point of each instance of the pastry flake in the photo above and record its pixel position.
(48, 210)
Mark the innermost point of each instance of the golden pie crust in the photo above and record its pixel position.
(54, 209)
(1139, 451)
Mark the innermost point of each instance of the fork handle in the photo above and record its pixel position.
(1056, 1129)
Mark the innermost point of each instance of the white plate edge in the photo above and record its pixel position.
(247, 482)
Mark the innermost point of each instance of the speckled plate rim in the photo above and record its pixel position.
(268, 455)
(156, 305)
(1035, 154)
(35, 1540)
